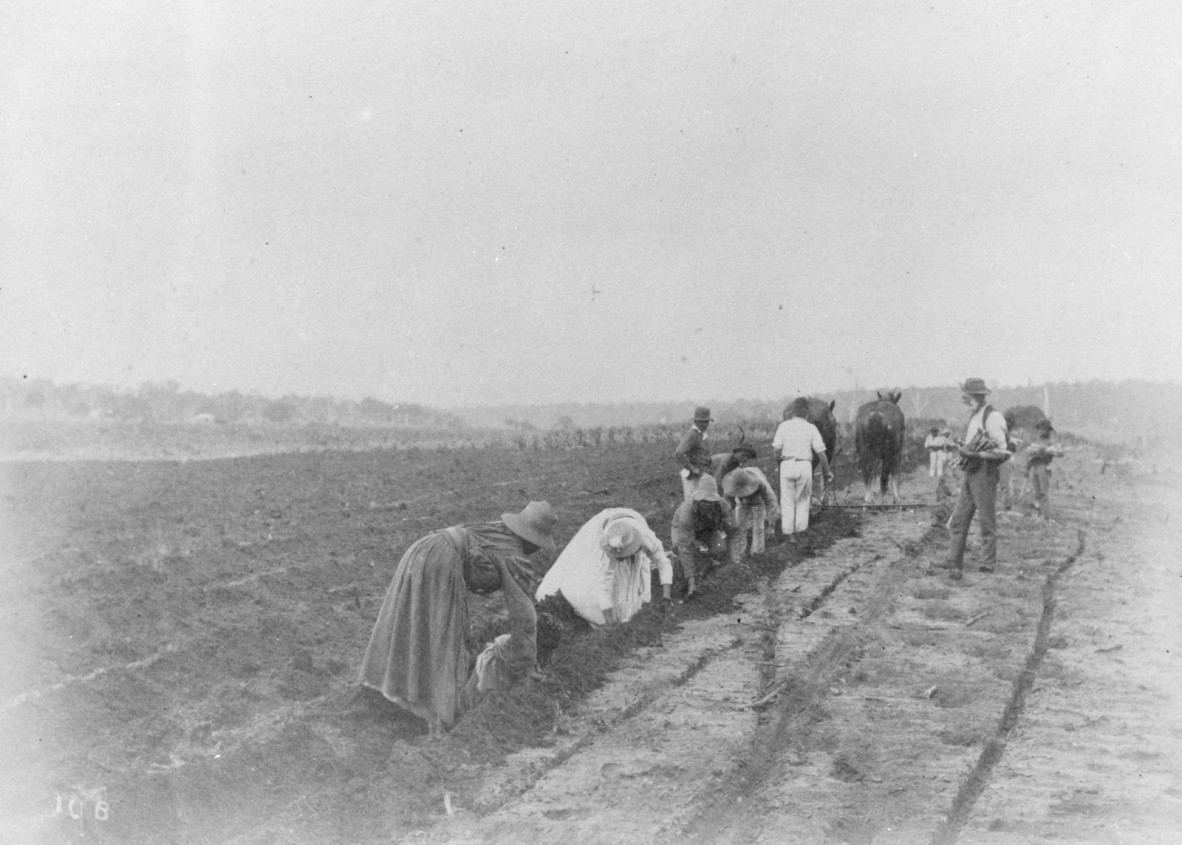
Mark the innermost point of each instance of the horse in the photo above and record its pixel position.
(821, 415)
(878, 439)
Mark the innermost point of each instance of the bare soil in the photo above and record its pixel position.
(181, 641)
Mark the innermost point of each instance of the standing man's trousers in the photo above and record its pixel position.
(796, 490)
(978, 494)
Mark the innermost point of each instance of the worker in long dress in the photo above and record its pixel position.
(605, 571)
(417, 655)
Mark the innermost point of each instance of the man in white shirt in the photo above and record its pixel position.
(983, 452)
(795, 443)
(937, 444)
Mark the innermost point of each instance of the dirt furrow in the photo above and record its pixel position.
(831, 602)
(902, 677)
(647, 769)
(645, 678)
(975, 783)
(1097, 754)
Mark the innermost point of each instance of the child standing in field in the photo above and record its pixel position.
(939, 444)
(1039, 455)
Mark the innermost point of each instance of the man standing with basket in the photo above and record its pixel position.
(985, 449)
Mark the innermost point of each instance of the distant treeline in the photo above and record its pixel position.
(1116, 410)
(167, 403)
(1120, 409)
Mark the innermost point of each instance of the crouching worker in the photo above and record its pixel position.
(605, 571)
(417, 655)
(755, 505)
(704, 530)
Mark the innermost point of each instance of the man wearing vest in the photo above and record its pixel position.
(983, 452)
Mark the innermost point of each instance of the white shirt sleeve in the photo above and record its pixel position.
(650, 545)
(818, 442)
(995, 427)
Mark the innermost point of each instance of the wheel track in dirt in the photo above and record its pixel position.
(721, 811)
(723, 816)
(602, 724)
(772, 612)
(991, 755)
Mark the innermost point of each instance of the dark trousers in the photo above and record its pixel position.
(978, 494)
(1040, 475)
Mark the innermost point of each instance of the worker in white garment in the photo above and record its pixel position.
(605, 571)
(796, 443)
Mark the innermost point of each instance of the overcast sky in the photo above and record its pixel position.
(477, 202)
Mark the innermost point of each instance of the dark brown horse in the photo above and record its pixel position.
(821, 415)
(878, 438)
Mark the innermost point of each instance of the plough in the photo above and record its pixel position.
(828, 499)
(899, 506)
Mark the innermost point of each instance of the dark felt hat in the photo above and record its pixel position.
(975, 386)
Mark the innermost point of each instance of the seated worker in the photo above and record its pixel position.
(704, 526)
(755, 504)
(605, 571)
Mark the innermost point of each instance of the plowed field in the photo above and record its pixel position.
(181, 642)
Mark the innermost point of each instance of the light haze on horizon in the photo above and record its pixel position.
(522, 203)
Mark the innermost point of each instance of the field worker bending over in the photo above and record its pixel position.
(704, 526)
(724, 463)
(510, 657)
(417, 655)
(755, 502)
(605, 571)
(692, 453)
(795, 443)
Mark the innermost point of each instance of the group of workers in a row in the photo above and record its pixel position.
(418, 654)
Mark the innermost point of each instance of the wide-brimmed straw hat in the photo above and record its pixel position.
(975, 386)
(620, 539)
(707, 490)
(535, 523)
(702, 414)
(740, 483)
